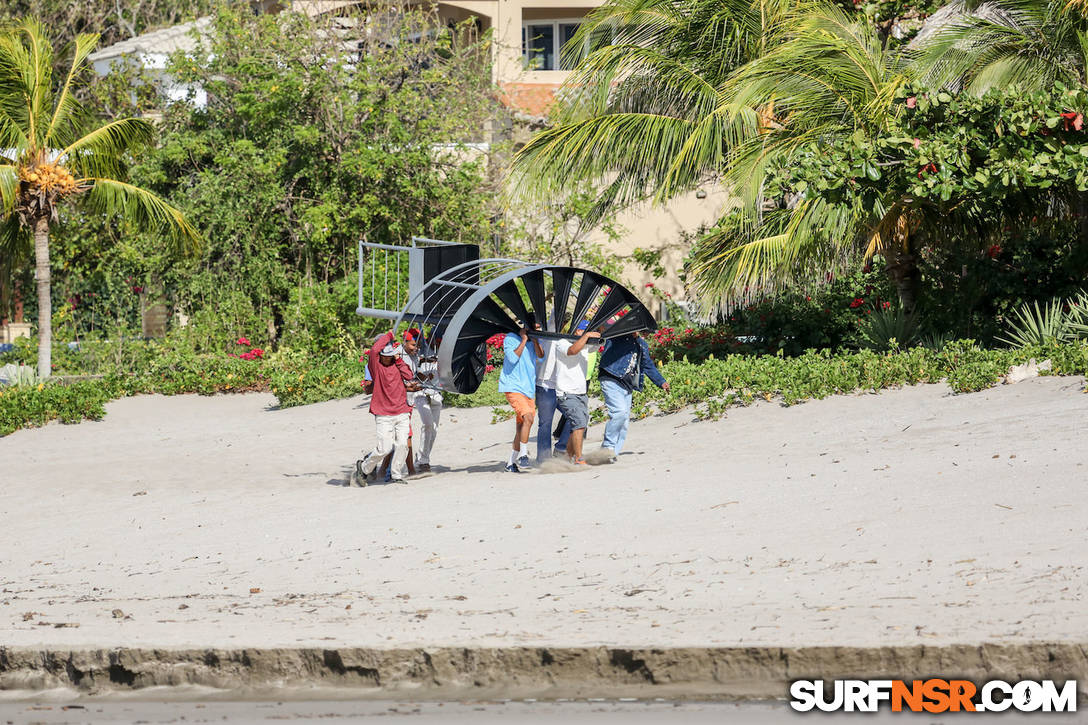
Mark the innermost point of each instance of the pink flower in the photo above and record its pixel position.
(912, 101)
(649, 285)
(242, 341)
(489, 368)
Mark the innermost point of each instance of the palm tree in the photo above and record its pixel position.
(52, 153)
(1028, 44)
(642, 115)
(831, 78)
(657, 112)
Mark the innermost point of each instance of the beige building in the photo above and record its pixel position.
(527, 67)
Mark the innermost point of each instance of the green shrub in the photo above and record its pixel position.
(710, 386)
(888, 328)
(36, 405)
(1032, 325)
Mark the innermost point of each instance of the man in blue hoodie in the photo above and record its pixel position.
(624, 362)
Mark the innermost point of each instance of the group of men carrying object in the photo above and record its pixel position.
(540, 375)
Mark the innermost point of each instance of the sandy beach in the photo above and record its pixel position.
(910, 517)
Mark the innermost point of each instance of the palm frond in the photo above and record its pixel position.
(639, 148)
(1030, 43)
(16, 249)
(9, 186)
(37, 77)
(752, 253)
(12, 137)
(144, 208)
(642, 115)
(67, 105)
(99, 152)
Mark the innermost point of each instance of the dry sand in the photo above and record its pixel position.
(910, 517)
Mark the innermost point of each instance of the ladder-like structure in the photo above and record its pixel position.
(457, 301)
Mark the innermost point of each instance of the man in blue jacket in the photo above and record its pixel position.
(624, 362)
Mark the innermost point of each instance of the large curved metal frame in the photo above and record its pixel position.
(473, 301)
(499, 295)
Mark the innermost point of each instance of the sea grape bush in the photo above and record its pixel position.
(711, 386)
(715, 383)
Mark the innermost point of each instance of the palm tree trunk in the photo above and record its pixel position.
(907, 278)
(45, 304)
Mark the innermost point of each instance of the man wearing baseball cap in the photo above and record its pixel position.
(392, 379)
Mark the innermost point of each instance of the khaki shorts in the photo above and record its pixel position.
(523, 405)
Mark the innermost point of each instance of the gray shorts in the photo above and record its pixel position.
(575, 408)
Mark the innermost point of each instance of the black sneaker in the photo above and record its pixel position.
(512, 468)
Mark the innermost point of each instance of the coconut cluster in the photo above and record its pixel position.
(48, 178)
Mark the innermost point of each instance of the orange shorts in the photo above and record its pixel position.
(523, 405)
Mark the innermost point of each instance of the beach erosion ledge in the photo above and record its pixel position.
(520, 672)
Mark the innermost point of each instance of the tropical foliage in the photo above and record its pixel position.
(53, 153)
(711, 386)
(643, 113)
(283, 170)
(840, 146)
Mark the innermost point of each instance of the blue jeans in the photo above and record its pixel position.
(545, 416)
(617, 399)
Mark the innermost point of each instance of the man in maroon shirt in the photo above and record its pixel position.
(392, 378)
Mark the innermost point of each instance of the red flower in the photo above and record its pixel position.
(886, 305)
(242, 341)
(489, 368)
(649, 285)
(137, 289)
(930, 168)
(858, 302)
(993, 251)
(1072, 120)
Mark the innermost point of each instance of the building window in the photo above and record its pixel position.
(542, 42)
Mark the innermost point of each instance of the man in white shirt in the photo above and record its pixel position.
(428, 400)
(571, 368)
(545, 399)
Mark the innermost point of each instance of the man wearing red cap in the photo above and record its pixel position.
(392, 379)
